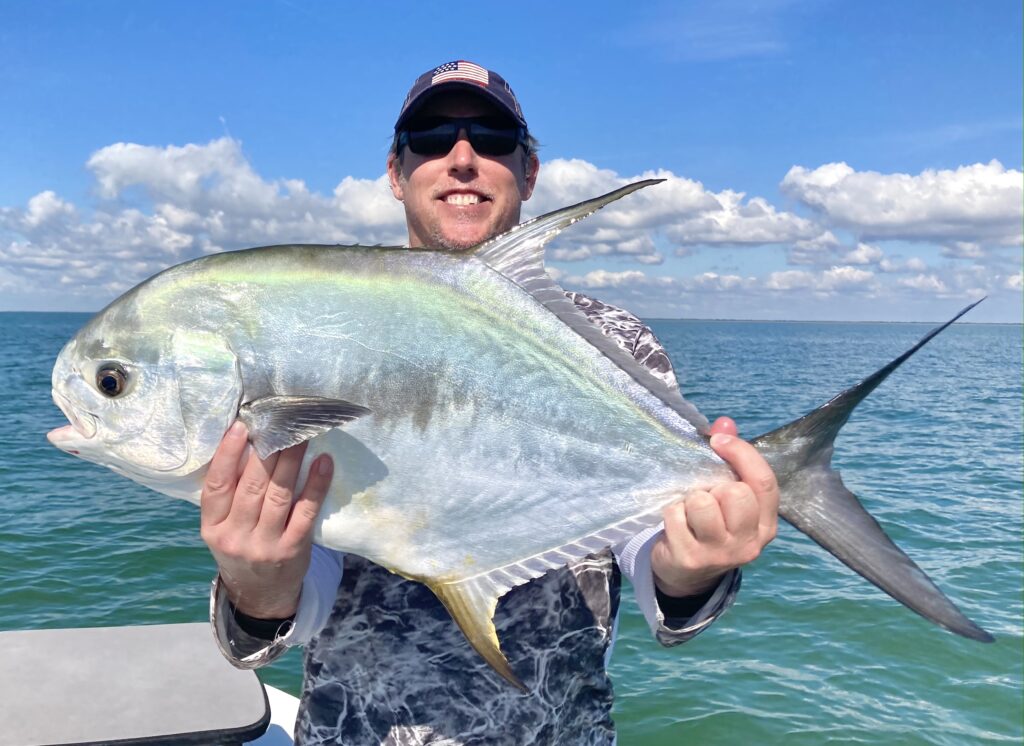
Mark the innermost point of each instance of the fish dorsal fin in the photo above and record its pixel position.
(518, 254)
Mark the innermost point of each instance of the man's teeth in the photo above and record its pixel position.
(462, 199)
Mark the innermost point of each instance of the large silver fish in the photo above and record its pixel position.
(484, 431)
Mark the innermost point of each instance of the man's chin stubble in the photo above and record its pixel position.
(437, 239)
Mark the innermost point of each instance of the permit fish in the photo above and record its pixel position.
(484, 431)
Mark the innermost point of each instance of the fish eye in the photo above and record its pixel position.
(111, 379)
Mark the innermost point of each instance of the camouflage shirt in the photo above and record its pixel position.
(385, 663)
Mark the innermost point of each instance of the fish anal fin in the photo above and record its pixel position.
(278, 422)
(472, 607)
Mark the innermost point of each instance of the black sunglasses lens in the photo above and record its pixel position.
(490, 141)
(436, 140)
(485, 139)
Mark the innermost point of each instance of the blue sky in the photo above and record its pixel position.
(828, 160)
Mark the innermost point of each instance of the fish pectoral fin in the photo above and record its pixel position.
(278, 422)
(472, 606)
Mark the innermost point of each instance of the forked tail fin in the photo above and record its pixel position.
(814, 500)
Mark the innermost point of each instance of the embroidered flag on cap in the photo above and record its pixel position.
(458, 73)
(460, 70)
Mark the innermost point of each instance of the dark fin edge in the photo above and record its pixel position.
(278, 422)
(815, 501)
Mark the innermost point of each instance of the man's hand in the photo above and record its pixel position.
(260, 537)
(709, 533)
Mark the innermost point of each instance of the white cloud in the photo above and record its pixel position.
(980, 204)
(715, 281)
(736, 222)
(570, 255)
(217, 171)
(864, 254)
(897, 264)
(963, 250)
(602, 278)
(46, 207)
(826, 282)
(844, 277)
(680, 210)
(790, 279)
(927, 283)
(203, 198)
(212, 194)
(821, 249)
(638, 280)
(159, 206)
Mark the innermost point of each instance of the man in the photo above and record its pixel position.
(385, 663)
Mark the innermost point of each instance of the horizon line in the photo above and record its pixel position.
(723, 319)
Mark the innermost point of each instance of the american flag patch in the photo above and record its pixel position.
(460, 71)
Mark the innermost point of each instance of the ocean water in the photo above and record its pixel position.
(809, 654)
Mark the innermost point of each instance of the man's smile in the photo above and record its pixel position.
(463, 198)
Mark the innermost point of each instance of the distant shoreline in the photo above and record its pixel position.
(664, 318)
(837, 321)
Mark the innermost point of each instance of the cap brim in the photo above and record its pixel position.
(417, 103)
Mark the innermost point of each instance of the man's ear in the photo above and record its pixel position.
(532, 169)
(395, 176)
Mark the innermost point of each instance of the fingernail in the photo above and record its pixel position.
(237, 429)
(324, 467)
(720, 439)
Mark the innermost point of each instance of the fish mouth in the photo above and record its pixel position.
(84, 424)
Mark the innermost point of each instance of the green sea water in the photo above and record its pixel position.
(809, 654)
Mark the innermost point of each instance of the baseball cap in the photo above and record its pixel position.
(460, 74)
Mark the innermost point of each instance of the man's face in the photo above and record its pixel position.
(461, 198)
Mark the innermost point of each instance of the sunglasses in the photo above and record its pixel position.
(487, 135)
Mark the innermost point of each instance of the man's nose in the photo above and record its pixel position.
(462, 157)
